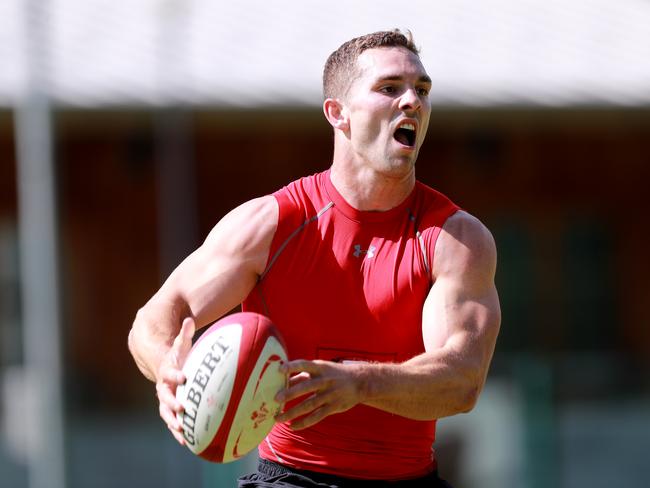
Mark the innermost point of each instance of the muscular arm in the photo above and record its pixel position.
(461, 318)
(208, 283)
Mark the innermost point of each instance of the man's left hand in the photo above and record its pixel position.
(327, 388)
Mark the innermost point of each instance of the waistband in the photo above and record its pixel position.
(270, 468)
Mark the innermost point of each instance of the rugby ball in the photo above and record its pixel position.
(232, 376)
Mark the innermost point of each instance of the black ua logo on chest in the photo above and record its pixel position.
(368, 253)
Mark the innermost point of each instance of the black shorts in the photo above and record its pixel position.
(273, 475)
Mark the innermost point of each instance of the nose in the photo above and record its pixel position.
(410, 100)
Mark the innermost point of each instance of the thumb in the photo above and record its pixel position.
(183, 341)
(187, 330)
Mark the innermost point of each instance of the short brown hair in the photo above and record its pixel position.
(340, 67)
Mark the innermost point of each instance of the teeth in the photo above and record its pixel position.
(407, 126)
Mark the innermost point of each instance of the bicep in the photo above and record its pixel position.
(224, 269)
(461, 312)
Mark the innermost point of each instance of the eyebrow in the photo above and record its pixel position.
(421, 79)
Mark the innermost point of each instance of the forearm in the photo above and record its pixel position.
(155, 326)
(430, 386)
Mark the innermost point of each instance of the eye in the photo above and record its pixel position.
(388, 89)
(424, 92)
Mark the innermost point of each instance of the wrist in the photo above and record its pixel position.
(369, 383)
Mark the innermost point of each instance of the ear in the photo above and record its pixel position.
(336, 114)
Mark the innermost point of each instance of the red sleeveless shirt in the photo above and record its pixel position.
(343, 284)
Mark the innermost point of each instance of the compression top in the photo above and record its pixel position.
(349, 285)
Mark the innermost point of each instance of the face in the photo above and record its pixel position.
(388, 109)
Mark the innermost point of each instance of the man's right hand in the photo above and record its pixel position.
(170, 375)
(215, 278)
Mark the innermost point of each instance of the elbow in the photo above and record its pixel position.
(469, 399)
(134, 344)
(130, 341)
(474, 375)
(470, 390)
(132, 338)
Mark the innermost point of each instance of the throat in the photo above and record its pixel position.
(370, 190)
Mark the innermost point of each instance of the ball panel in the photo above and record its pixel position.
(248, 352)
(210, 370)
(257, 407)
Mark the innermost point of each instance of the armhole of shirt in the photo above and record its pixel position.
(287, 212)
(432, 233)
(291, 221)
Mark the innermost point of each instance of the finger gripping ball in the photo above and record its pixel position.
(232, 378)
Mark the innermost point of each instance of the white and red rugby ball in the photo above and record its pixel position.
(232, 376)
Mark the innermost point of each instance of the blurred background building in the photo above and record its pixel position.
(148, 120)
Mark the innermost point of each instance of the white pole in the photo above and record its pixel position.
(37, 228)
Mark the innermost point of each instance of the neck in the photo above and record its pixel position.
(367, 189)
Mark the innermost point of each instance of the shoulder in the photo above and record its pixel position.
(299, 201)
(466, 228)
(432, 207)
(465, 247)
(304, 193)
(246, 231)
(258, 214)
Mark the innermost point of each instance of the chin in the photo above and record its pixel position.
(404, 161)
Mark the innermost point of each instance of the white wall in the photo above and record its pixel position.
(260, 52)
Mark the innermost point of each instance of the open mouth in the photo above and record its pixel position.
(405, 135)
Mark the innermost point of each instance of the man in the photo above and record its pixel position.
(382, 287)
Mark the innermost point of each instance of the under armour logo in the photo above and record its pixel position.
(370, 252)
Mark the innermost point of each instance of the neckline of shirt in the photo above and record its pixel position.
(364, 215)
